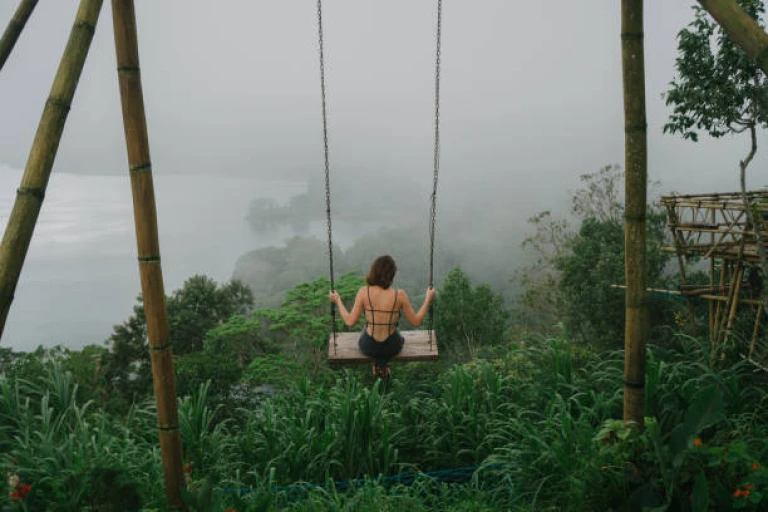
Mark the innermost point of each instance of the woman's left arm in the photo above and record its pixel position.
(350, 317)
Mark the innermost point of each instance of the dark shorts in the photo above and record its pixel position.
(381, 351)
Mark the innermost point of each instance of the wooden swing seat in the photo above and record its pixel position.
(416, 348)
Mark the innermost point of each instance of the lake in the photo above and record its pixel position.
(80, 277)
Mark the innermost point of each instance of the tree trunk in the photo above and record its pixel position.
(757, 224)
(14, 28)
(29, 197)
(148, 244)
(636, 180)
(741, 28)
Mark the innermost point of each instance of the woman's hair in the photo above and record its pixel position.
(382, 272)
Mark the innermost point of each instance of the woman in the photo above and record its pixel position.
(382, 305)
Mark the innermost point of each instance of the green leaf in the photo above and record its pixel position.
(700, 494)
(706, 410)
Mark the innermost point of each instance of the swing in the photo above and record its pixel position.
(420, 345)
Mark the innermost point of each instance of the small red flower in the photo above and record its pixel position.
(187, 468)
(745, 494)
(697, 442)
(755, 466)
(748, 487)
(737, 494)
(21, 491)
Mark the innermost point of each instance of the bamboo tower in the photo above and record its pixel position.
(29, 197)
(14, 28)
(720, 229)
(636, 165)
(145, 217)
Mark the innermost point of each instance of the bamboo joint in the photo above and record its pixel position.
(59, 103)
(636, 127)
(36, 192)
(161, 348)
(146, 167)
(628, 36)
(90, 27)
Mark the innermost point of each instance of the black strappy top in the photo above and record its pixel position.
(373, 322)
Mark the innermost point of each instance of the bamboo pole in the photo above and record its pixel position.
(734, 303)
(148, 245)
(741, 28)
(712, 282)
(683, 280)
(14, 29)
(636, 180)
(734, 274)
(756, 329)
(29, 196)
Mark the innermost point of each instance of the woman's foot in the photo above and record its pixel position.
(382, 372)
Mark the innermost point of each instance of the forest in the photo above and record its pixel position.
(525, 409)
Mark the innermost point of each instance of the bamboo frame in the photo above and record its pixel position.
(15, 28)
(29, 196)
(717, 227)
(636, 181)
(148, 245)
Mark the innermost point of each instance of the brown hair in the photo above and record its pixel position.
(382, 272)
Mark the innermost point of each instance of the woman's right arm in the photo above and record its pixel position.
(413, 317)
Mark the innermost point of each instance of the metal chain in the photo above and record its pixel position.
(327, 165)
(436, 161)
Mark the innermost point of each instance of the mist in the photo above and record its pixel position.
(531, 99)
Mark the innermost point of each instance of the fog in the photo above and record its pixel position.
(531, 99)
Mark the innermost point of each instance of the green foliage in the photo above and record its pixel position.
(304, 319)
(73, 456)
(199, 306)
(220, 370)
(571, 277)
(718, 88)
(272, 369)
(238, 338)
(543, 417)
(467, 317)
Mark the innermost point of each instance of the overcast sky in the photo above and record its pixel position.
(531, 92)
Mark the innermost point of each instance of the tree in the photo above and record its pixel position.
(467, 317)
(199, 306)
(238, 339)
(720, 90)
(571, 276)
(304, 318)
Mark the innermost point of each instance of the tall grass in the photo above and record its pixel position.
(547, 414)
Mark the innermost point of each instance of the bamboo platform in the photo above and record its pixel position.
(416, 348)
(715, 225)
(719, 228)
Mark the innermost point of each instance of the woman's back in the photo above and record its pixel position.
(382, 311)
